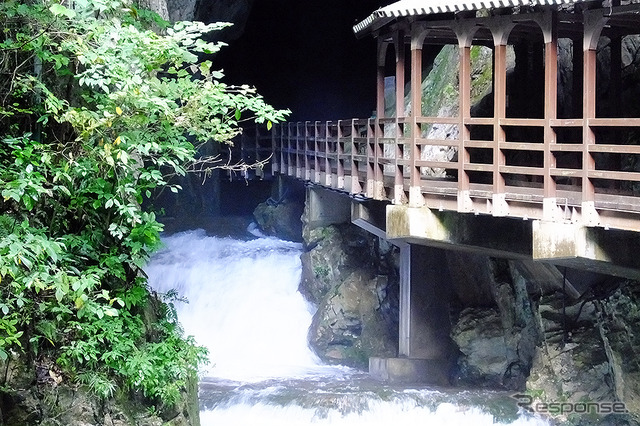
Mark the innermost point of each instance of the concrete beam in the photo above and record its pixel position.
(326, 207)
(371, 216)
(588, 248)
(494, 236)
(605, 251)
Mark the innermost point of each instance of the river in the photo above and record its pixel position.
(244, 305)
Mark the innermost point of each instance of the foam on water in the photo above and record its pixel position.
(244, 305)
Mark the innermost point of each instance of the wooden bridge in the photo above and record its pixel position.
(557, 144)
(534, 156)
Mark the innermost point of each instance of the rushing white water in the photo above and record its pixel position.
(243, 303)
(245, 307)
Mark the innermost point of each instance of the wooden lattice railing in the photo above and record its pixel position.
(574, 178)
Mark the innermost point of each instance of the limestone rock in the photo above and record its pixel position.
(234, 11)
(481, 338)
(334, 251)
(280, 219)
(349, 328)
(352, 277)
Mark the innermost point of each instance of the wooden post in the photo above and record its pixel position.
(550, 208)
(398, 186)
(371, 156)
(399, 47)
(463, 198)
(340, 157)
(593, 24)
(415, 192)
(290, 165)
(382, 48)
(355, 175)
(499, 112)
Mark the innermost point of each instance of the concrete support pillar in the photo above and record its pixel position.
(425, 344)
(424, 297)
(611, 252)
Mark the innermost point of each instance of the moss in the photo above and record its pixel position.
(355, 356)
(440, 88)
(321, 271)
(481, 73)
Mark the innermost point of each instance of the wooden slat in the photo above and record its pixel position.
(619, 149)
(532, 122)
(438, 120)
(566, 147)
(522, 146)
(567, 122)
(533, 171)
(602, 174)
(614, 122)
(437, 142)
(479, 121)
(478, 144)
(437, 164)
(475, 167)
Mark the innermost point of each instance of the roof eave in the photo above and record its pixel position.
(364, 27)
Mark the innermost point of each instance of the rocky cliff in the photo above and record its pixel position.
(234, 11)
(352, 277)
(522, 325)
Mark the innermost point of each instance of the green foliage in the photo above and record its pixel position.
(96, 112)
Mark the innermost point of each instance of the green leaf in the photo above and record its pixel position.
(58, 9)
(269, 125)
(112, 312)
(59, 294)
(238, 114)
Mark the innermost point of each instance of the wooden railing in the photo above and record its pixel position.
(592, 180)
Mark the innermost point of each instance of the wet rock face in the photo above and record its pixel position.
(481, 339)
(281, 219)
(494, 330)
(351, 276)
(516, 330)
(64, 406)
(590, 354)
(38, 393)
(234, 11)
(349, 327)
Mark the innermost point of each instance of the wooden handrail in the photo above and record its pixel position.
(371, 158)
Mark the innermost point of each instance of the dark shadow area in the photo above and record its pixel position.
(304, 56)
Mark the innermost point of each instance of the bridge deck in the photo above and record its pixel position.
(570, 155)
